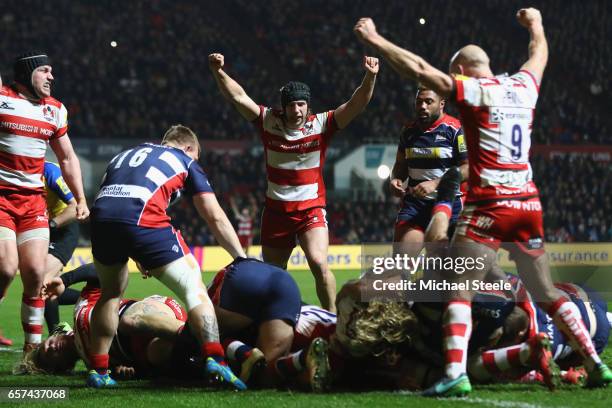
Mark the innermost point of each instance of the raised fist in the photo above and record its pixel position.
(528, 17)
(216, 61)
(365, 29)
(371, 64)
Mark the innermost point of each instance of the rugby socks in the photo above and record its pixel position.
(567, 318)
(32, 316)
(51, 314)
(457, 327)
(237, 351)
(443, 207)
(214, 350)
(290, 365)
(99, 362)
(490, 364)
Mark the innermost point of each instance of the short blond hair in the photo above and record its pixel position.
(183, 136)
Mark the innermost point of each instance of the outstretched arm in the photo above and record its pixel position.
(209, 209)
(349, 110)
(231, 90)
(531, 19)
(403, 61)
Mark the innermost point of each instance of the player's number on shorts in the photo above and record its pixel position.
(517, 140)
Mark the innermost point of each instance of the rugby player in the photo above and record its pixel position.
(129, 220)
(527, 321)
(295, 142)
(307, 363)
(64, 233)
(29, 118)
(429, 146)
(245, 223)
(147, 333)
(258, 303)
(502, 203)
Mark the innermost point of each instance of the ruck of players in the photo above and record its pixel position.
(465, 187)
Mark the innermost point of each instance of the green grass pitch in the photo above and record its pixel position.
(134, 394)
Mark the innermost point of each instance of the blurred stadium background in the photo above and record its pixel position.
(126, 70)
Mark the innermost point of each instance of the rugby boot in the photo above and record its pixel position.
(5, 341)
(96, 380)
(446, 387)
(542, 358)
(255, 363)
(317, 365)
(600, 376)
(223, 374)
(574, 376)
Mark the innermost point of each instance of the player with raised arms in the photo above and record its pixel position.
(295, 142)
(502, 204)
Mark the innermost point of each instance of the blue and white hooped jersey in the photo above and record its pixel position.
(430, 152)
(140, 182)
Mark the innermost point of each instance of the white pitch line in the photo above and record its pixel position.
(487, 402)
(503, 404)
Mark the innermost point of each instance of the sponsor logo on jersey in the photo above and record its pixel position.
(175, 248)
(308, 129)
(535, 243)
(48, 113)
(6, 105)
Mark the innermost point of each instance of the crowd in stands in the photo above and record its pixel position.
(157, 73)
(574, 191)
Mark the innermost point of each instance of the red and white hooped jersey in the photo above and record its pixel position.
(25, 128)
(313, 322)
(84, 308)
(245, 226)
(294, 159)
(82, 319)
(497, 117)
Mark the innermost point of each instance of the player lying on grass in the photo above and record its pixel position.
(306, 366)
(259, 303)
(151, 341)
(410, 363)
(527, 320)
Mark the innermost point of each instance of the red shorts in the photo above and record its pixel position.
(279, 230)
(245, 240)
(515, 222)
(23, 212)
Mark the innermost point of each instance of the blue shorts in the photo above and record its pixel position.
(113, 243)
(257, 290)
(416, 212)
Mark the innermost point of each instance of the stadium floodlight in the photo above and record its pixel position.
(383, 171)
(422, 20)
(113, 44)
